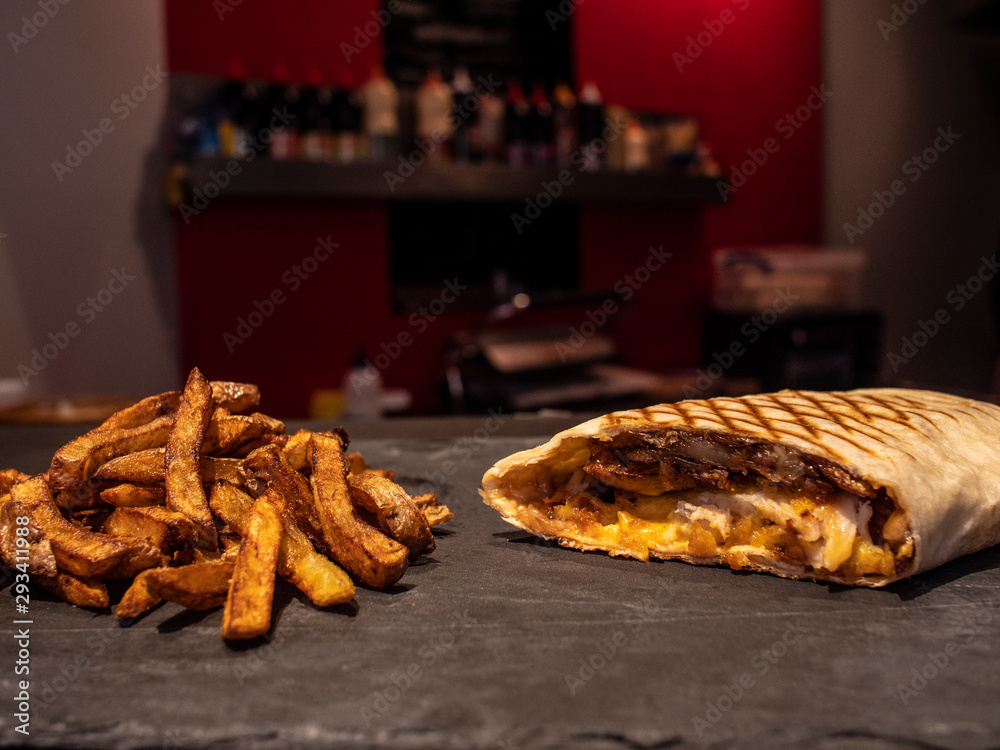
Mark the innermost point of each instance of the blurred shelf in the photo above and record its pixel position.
(66, 410)
(267, 178)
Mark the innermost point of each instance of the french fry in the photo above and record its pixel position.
(437, 514)
(165, 529)
(92, 519)
(364, 551)
(133, 496)
(87, 497)
(198, 586)
(137, 598)
(268, 464)
(41, 561)
(83, 553)
(230, 546)
(185, 493)
(142, 412)
(432, 510)
(232, 505)
(83, 592)
(358, 465)
(10, 477)
(251, 588)
(393, 510)
(74, 463)
(312, 573)
(149, 468)
(422, 501)
(296, 450)
(227, 434)
(247, 448)
(236, 397)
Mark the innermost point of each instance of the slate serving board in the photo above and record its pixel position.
(497, 641)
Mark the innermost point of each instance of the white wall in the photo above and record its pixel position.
(890, 97)
(65, 239)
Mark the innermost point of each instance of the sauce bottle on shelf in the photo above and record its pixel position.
(463, 96)
(348, 122)
(434, 122)
(591, 112)
(489, 135)
(250, 120)
(287, 99)
(542, 129)
(637, 156)
(616, 118)
(229, 122)
(517, 124)
(317, 128)
(564, 124)
(380, 100)
(197, 134)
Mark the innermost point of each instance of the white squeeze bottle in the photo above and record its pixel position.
(362, 389)
(381, 107)
(434, 125)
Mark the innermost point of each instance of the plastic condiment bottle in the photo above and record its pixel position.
(348, 121)
(380, 100)
(491, 127)
(363, 389)
(232, 139)
(636, 139)
(463, 96)
(564, 124)
(591, 127)
(287, 99)
(317, 129)
(517, 126)
(434, 121)
(542, 132)
(617, 118)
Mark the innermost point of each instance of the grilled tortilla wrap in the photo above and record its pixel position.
(862, 487)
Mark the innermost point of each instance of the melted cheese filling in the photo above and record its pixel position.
(753, 524)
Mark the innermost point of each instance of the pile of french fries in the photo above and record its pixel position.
(202, 502)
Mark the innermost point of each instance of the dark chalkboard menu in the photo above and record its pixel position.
(529, 40)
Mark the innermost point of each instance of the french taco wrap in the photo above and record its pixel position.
(862, 487)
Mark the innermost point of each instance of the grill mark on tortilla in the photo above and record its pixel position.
(987, 412)
(797, 416)
(871, 416)
(810, 417)
(713, 407)
(919, 408)
(829, 416)
(770, 426)
(681, 412)
(866, 419)
(901, 417)
(764, 424)
(838, 418)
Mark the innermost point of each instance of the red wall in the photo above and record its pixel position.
(203, 37)
(758, 67)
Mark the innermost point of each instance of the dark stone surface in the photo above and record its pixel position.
(487, 643)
